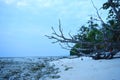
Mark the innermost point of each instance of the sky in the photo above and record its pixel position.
(24, 24)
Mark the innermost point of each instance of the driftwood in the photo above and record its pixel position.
(105, 55)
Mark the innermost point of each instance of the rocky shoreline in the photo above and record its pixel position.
(28, 68)
(56, 68)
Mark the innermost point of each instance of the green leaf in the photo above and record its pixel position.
(106, 5)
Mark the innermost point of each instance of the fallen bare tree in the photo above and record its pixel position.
(112, 26)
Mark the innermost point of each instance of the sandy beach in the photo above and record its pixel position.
(86, 68)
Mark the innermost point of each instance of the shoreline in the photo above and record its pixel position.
(58, 68)
(26, 68)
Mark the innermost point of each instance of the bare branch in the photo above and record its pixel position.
(64, 47)
(68, 45)
(70, 36)
(97, 12)
(54, 33)
(103, 23)
(62, 39)
(60, 29)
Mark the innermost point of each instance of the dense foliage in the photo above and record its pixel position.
(107, 33)
(89, 33)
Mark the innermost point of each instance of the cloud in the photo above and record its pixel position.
(49, 3)
(62, 5)
(63, 8)
(17, 3)
(22, 3)
(9, 1)
(33, 3)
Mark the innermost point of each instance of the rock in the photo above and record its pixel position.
(27, 69)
